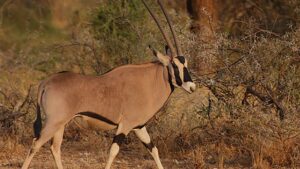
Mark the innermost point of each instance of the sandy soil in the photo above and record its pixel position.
(78, 156)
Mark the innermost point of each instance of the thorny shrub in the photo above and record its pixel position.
(252, 113)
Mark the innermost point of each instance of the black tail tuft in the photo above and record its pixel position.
(37, 126)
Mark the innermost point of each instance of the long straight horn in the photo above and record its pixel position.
(178, 48)
(173, 51)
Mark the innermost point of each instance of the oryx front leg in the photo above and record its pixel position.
(114, 150)
(143, 135)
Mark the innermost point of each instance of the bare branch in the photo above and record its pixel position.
(14, 114)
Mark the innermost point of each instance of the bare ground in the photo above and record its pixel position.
(77, 155)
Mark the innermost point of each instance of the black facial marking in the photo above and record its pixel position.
(170, 81)
(149, 146)
(97, 116)
(119, 138)
(176, 74)
(181, 59)
(186, 75)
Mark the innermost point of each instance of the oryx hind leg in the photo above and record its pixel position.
(46, 134)
(143, 135)
(56, 145)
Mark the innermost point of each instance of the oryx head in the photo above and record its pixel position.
(173, 59)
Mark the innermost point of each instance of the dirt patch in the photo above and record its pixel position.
(77, 155)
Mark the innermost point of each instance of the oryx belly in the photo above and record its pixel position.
(94, 124)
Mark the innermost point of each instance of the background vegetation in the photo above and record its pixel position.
(244, 56)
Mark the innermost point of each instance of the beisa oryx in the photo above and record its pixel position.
(124, 98)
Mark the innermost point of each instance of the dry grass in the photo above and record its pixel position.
(246, 84)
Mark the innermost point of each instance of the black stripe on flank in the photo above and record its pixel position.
(63, 71)
(186, 75)
(139, 126)
(97, 116)
(170, 81)
(176, 74)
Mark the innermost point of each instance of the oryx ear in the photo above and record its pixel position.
(164, 59)
(168, 50)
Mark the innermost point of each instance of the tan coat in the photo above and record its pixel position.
(129, 94)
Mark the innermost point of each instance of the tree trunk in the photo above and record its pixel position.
(63, 12)
(204, 14)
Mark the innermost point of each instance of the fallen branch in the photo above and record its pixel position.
(269, 99)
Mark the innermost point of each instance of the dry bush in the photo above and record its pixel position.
(250, 116)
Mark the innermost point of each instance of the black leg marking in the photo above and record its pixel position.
(149, 146)
(119, 139)
(176, 74)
